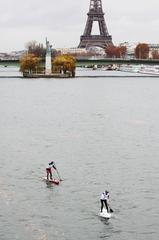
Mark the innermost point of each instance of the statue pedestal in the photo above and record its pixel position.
(48, 68)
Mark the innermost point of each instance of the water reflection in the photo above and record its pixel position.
(107, 230)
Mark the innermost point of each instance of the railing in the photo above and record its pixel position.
(95, 61)
(96, 37)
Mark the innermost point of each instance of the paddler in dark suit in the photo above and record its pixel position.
(49, 169)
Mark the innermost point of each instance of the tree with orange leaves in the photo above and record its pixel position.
(116, 51)
(65, 63)
(155, 54)
(29, 63)
(142, 51)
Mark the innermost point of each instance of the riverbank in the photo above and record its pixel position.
(53, 75)
(86, 76)
(80, 72)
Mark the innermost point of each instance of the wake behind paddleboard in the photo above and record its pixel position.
(105, 214)
(54, 181)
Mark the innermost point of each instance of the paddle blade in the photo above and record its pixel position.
(111, 210)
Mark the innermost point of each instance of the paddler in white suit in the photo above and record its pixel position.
(104, 199)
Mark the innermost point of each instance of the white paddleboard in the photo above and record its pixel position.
(105, 214)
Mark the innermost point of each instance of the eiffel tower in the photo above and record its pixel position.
(95, 14)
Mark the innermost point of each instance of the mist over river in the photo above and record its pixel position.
(103, 133)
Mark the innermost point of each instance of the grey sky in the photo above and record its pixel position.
(63, 21)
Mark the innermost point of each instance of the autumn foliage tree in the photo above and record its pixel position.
(65, 63)
(142, 51)
(110, 50)
(116, 51)
(155, 54)
(29, 63)
(123, 51)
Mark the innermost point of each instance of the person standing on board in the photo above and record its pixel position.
(104, 198)
(49, 169)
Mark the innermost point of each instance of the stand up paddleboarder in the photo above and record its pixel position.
(49, 169)
(104, 198)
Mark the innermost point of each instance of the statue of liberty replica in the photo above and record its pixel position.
(48, 68)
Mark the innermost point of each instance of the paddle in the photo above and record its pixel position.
(111, 210)
(58, 173)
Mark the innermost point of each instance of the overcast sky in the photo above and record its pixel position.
(63, 21)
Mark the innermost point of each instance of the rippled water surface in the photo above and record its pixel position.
(103, 133)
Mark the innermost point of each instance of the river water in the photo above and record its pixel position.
(103, 133)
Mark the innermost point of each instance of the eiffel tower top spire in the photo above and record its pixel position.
(95, 14)
(95, 6)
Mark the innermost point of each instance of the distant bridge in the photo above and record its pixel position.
(119, 61)
(9, 62)
(91, 62)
